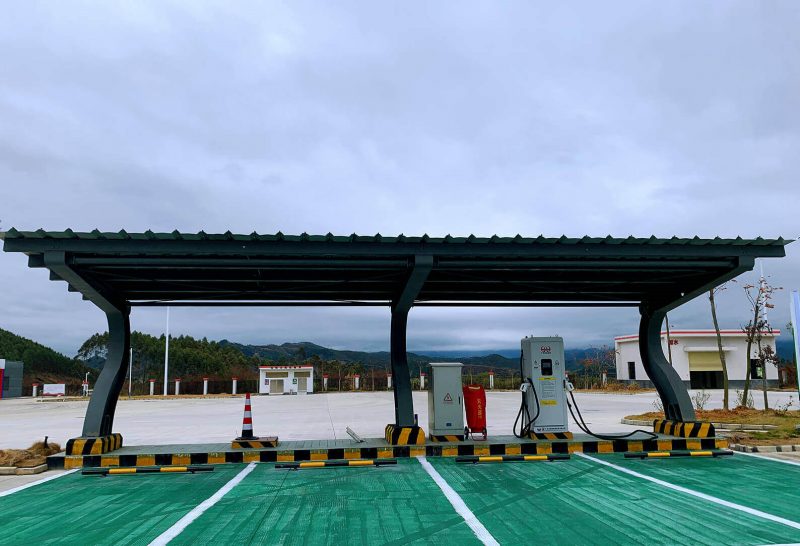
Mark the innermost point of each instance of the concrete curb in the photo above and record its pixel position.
(718, 426)
(22, 471)
(765, 449)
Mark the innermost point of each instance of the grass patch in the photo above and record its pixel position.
(33, 456)
(785, 420)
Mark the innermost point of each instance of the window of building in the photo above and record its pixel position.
(631, 370)
(755, 369)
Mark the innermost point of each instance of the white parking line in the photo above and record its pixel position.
(698, 494)
(37, 482)
(774, 459)
(458, 503)
(198, 510)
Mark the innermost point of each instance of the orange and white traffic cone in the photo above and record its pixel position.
(247, 421)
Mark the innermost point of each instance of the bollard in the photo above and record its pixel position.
(388, 381)
(205, 386)
(177, 386)
(233, 387)
(421, 381)
(152, 386)
(35, 389)
(356, 382)
(324, 382)
(491, 380)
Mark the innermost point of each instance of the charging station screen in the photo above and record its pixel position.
(547, 366)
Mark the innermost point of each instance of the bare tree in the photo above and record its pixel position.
(725, 403)
(759, 298)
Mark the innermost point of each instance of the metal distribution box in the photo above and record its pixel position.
(543, 363)
(445, 402)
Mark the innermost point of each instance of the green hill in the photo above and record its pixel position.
(188, 357)
(42, 364)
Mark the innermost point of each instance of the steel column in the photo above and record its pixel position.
(403, 403)
(99, 418)
(103, 404)
(670, 387)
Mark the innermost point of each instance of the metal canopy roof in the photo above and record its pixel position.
(211, 269)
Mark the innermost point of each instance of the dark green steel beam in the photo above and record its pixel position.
(372, 250)
(382, 304)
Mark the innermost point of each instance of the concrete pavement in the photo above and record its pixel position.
(317, 416)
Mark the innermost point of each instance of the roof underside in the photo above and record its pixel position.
(162, 268)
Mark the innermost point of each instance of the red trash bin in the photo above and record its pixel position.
(475, 406)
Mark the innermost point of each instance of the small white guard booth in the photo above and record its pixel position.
(286, 379)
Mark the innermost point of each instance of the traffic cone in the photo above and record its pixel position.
(247, 421)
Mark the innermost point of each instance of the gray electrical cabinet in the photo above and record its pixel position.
(543, 365)
(445, 400)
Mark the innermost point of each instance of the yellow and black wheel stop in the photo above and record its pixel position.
(678, 453)
(330, 464)
(146, 470)
(512, 458)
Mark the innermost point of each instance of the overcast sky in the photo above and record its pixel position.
(677, 118)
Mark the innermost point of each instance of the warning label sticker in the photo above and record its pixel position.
(448, 399)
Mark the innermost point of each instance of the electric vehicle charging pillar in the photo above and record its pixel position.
(543, 369)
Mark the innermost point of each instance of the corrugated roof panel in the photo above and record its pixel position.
(96, 234)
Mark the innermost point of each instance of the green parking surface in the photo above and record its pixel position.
(393, 504)
(570, 502)
(769, 486)
(78, 509)
(581, 502)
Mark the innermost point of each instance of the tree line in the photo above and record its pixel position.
(40, 362)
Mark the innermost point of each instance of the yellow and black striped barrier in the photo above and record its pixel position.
(255, 443)
(330, 464)
(403, 436)
(684, 429)
(678, 453)
(513, 458)
(94, 445)
(147, 470)
(447, 437)
(550, 435)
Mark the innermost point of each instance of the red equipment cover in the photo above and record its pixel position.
(475, 406)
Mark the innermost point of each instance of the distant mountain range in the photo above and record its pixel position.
(293, 352)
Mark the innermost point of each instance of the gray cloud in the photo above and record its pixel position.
(635, 118)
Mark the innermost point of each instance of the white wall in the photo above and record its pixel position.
(289, 385)
(627, 350)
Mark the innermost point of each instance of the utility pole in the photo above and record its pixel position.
(130, 372)
(166, 357)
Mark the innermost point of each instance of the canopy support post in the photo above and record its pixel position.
(403, 403)
(97, 436)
